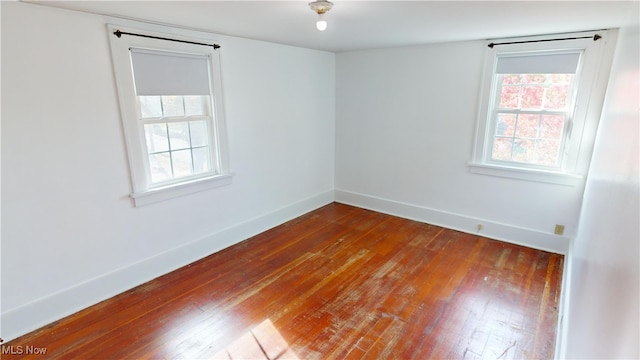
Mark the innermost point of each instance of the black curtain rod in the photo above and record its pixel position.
(119, 33)
(594, 37)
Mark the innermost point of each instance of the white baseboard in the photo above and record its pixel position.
(562, 330)
(490, 229)
(26, 318)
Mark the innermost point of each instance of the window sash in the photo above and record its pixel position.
(213, 162)
(563, 140)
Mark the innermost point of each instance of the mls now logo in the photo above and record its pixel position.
(23, 350)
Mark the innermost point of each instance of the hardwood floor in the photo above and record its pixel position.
(339, 282)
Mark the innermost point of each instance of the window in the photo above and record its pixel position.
(171, 104)
(532, 106)
(534, 121)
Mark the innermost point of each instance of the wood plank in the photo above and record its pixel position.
(338, 282)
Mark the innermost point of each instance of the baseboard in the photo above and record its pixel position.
(26, 318)
(562, 330)
(490, 229)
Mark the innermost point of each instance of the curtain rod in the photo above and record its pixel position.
(119, 33)
(595, 37)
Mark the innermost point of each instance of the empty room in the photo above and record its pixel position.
(320, 180)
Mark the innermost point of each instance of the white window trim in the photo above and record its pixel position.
(143, 192)
(595, 66)
(181, 189)
(545, 176)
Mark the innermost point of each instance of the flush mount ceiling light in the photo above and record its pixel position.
(321, 7)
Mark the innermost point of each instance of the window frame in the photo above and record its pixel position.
(144, 191)
(579, 129)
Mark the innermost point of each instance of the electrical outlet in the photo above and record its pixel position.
(559, 229)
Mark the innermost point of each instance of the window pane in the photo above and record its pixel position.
(552, 127)
(156, 135)
(557, 97)
(527, 126)
(179, 135)
(548, 152)
(160, 166)
(182, 165)
(534, 78)
(523, 150)
(502, 149)
(511, 79)
(172, 106)
(150, 106)
(201, 160)
(509, 96)
(199, 135)
(560, 78)
(195, 105)
(506, 125)
(532, 97)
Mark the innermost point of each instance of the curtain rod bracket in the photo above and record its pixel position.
(119, 34)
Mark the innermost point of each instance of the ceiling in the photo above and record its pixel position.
(357, 25)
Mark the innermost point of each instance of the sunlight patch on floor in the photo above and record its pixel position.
(262, 342)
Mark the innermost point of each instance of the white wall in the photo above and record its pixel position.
(604, 300)
(405, 126)
(70, 236)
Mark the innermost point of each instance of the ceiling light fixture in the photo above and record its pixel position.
(321, 7)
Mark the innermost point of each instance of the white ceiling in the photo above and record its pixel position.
(356, 25)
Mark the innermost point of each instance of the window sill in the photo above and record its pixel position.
(551, 177)
(169, 192)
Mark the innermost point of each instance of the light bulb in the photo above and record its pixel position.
(321, 24)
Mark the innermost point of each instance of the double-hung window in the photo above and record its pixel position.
(535, 121)
(170, 97)
(532, 107)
